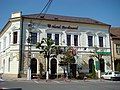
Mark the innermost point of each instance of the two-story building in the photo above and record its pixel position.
(87, 36)
(115, 47)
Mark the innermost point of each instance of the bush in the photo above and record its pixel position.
(81, 76)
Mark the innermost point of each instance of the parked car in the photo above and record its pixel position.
(112, 75)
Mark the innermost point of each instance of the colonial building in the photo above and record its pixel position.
(115, 46)
(88, 37)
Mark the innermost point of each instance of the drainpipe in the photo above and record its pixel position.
(112, 59)
(20, 72)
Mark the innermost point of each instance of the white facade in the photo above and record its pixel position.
(79, 32)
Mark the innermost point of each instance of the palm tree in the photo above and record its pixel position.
(47, 44)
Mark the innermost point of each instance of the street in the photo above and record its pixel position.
(62, 85)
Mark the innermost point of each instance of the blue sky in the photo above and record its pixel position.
(107, 11)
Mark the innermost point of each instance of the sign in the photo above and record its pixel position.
(104, 53)
(62, 27)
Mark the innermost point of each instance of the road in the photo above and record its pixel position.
(62, 85)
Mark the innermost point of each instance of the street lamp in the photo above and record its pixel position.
(30, 27)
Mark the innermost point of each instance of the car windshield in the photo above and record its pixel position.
(117, 72)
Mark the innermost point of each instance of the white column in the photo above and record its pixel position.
(72, 40)
(53, 36)
(65, 39)
(60, 39)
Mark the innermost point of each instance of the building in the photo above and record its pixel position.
(88, 37)
(115, 46)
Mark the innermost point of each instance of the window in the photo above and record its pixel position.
(9, 38)
(56, 39)
(9, 65)
(4, 42)
(100, 41)
(14, 37)
(49, 35)
(33, 38)
(76, 40)
(90, 41)
(68, 40)
(118, 48)
(0, 46)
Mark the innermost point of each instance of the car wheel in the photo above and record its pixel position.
(112, 79)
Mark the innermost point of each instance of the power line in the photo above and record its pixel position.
(45, 9)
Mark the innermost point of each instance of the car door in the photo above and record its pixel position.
(105, 76)
(109, 75)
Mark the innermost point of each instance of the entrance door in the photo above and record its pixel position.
(53, 66)
(73, 70)
(91, 63)
(102, 65)
(33, 66)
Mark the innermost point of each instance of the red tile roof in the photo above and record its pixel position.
(63, 18)
(115, 32)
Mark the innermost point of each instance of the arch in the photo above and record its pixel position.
(102, 65)
(53, 66)
(33, 66)
(91, 63)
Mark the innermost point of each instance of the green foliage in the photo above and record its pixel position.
(93, 74)
(69, 58)
(118, 67)
(48, 44)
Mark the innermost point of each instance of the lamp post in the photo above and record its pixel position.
(30, 26)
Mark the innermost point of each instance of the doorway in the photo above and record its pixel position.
(53, 68)
(33, 66)
(91, 63)
(102, 65)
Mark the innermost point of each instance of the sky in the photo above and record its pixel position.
(107, 11)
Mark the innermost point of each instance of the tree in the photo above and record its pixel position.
(118, 67)
(68, 59)
(46, 45)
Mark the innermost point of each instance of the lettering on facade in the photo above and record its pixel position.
(62, 27)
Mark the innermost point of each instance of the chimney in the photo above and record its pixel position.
(16, 14)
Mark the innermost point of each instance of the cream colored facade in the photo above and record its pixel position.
(115, 46)
(14, 57)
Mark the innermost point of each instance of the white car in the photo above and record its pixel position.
(113, 75)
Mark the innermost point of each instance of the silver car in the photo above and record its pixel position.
(113, 75)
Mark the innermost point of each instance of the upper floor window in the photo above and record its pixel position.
(0, 46)
(100, 41)
(9, 38)
(90, 41)
(56, 39)
(68, 40)
(49, 35)
(33, 38)
(4, 42)
(15, 37)
(118, 48)
(76, 40)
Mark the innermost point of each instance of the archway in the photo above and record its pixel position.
(53, 67)
(91, 63)
(33, 66)
(102, 65)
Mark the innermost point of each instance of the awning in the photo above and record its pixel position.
(104, 53)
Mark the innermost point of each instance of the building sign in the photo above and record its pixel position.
(62, 27)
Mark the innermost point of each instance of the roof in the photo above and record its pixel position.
(115, 32)
(64, 18)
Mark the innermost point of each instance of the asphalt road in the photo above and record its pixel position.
(62, 85)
